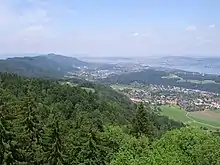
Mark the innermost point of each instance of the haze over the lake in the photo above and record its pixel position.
(110, 27)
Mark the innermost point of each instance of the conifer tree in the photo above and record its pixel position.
(142, 123)
(88, 146)
(55, 154)
(8, 151)
(30, 132)
(5, 153)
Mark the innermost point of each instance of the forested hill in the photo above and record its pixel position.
(51, 65)
(45, 122)
(178, 78)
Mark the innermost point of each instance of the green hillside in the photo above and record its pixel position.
(46, 122)
(46, 66)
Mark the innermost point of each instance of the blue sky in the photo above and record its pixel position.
(111, 27)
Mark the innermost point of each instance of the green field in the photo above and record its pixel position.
(209, 119)
(172, 76)
(216, 110)
(202, 82)
(119, 87)
(180, 79)
(198, 81)
(174, 113)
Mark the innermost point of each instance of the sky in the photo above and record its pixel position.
(110, 27)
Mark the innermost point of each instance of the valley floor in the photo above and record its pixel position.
(208, 118)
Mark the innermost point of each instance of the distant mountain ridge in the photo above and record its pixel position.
(51, 65)
(69, 61)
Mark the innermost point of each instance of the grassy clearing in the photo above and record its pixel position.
(202, 82)
(205, 119)
(172, 76)
(216, 110)
(198, 81)
(175, 113)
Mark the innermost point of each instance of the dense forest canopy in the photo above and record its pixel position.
(45, 122)
(46, 66)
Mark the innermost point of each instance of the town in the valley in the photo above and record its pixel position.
(188, 99)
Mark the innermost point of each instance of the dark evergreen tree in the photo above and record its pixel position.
(85, 143)
(30, 131)
(142, 122)
(54, 153)
(6, 156)
(9, 153)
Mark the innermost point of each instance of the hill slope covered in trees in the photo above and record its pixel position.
(44, 122)
(50, 65)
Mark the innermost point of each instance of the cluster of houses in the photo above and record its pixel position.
(190, 100)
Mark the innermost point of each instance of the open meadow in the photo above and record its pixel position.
(175, 113)
(209, 118)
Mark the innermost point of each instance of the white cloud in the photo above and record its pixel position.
(15, 21)
(191, 28)
(13, 18)
(135, 34)
(212, 26)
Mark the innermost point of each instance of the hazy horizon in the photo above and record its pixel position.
(111, 28)
(85, 56)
